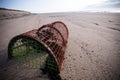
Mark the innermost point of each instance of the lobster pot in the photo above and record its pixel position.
(42, 48)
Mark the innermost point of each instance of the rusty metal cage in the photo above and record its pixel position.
(42, 48)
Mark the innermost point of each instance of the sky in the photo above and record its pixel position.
(48, 6)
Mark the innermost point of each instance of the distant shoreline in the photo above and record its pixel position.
(12, 10)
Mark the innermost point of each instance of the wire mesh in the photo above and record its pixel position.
(42, 48)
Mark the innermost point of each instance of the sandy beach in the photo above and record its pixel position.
(93, 49)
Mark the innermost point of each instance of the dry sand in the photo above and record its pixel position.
(93, 50)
